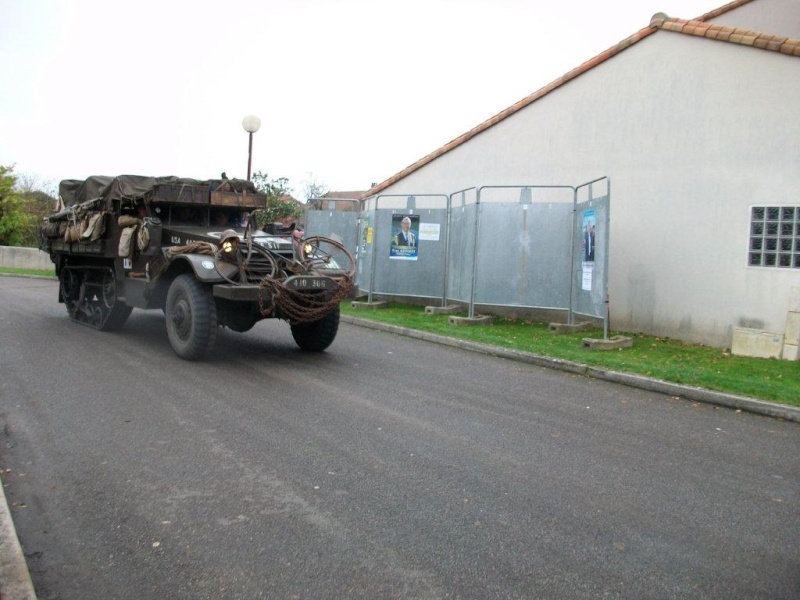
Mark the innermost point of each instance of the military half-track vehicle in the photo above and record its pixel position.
(193, 249)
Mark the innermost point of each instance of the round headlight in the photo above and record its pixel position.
(229, 241)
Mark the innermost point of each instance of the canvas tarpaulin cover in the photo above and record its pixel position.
(123, 187)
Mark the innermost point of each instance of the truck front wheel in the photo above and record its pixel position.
(317, 335)
(191, 318)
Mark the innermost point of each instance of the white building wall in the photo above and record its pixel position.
(773, 17)
(692, 132)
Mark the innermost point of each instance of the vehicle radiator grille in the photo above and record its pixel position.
(257, 266)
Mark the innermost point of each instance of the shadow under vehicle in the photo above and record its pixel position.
(193, 249)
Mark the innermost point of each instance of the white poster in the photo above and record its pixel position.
(429, 232)
(588, 270)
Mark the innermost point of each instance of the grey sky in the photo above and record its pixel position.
(351, 91)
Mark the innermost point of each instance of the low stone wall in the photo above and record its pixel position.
(25, 258)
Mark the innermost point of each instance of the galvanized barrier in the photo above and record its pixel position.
(522, 247)
(335, 218)
(391, 268)
(589, 285)
(519, 246)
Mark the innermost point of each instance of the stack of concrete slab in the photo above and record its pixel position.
(791, 342)
(766, 344)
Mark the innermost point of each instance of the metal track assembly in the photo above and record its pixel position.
(90, 295)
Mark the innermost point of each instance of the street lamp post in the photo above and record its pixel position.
(251, 123)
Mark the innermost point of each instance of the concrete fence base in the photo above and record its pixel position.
(25, 258)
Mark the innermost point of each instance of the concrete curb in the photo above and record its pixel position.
(761, 407)
(15, 580)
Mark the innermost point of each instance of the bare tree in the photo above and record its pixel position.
(313, 188)
(30, 182)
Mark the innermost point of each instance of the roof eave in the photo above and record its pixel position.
(660, 21)
(504, 114)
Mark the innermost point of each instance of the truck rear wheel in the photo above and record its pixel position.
(317, 335)
(116, 312)
(69, 289)
(191, 318)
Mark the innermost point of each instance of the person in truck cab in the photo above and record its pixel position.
(219, 219)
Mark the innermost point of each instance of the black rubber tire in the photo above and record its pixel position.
(317, 335)
(191, 318)
(68, 289)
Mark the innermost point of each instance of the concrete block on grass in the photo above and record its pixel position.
(443, 310)
(368, 305)
(793, 328)
(615, 342)
(568, 327)
(478, 320)
(756, 343)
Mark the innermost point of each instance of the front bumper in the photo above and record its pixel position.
(299, 283)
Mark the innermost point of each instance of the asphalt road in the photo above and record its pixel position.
(384, 468)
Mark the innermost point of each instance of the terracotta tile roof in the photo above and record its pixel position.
(733, 35)
(340, 201)
(660, 21)
(344, 195)
(713, 14)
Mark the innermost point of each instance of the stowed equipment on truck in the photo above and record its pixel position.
(193, 249)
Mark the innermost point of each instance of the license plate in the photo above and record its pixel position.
(300, 282)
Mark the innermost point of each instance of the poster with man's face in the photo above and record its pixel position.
(405, 237)
(588, 230)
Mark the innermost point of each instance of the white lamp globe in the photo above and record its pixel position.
(251, 123)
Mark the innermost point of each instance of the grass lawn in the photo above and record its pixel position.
(656, 357)
(10, 271)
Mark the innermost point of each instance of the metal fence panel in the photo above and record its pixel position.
(461, 252)
(341, 226)
(590, 263)
(523, 255)
(366, 232)
(424, 275)
(526, 246)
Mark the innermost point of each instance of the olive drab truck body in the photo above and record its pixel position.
(194, 249)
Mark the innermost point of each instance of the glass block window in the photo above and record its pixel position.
(774, 237)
